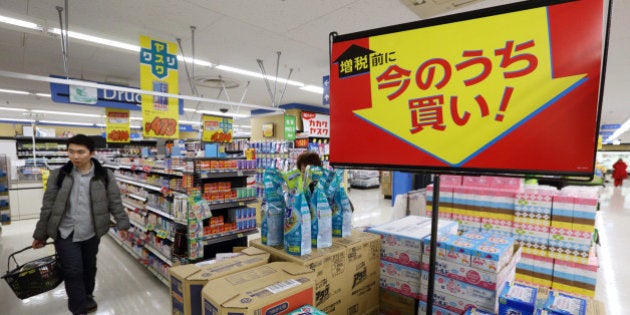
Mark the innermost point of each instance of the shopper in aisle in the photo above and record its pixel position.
(620, 172)
(308, 158)
(75, 213)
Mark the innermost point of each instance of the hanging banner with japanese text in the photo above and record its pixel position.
(512, 89)
(216, 129)
(315, 125)
(158, 72)
(290, 126)
(117, 125)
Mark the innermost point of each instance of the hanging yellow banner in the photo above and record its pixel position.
(216, 129)
(117, 125)
(158, 72)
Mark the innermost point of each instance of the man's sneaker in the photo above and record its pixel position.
(90, 304)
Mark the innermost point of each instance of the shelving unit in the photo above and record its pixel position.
(5, 211)
(52, 150)
(162, 197)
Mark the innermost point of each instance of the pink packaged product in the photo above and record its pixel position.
(406, 288)
(450, 302)
(400, 272)
(480, 297)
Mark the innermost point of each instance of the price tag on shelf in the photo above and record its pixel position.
(132, 167)
(146, 168)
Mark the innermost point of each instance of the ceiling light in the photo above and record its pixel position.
(135, 118)
(190, 110)
(14, 92)
(243, 126)
(42, 94)
(257, 75)
(69, 123)
(210, 112)
(17, 119)
(65, 113)
(312, 88)
(13, 109)
(621, 130)
(97, 40)
(20, 23)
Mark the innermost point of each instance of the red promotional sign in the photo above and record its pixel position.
(513, 89)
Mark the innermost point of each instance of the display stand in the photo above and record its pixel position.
(433, 243)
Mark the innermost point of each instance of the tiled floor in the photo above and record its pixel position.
(124, 287)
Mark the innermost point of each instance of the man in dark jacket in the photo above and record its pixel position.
(76, 209)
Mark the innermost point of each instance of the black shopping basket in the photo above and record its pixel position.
(35, 277)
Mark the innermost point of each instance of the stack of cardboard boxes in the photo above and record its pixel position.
(346, 274)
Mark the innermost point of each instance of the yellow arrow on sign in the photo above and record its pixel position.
(453, 90)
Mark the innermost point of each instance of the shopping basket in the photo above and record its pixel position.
(35, 277)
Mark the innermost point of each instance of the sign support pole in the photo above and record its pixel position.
(433, 244)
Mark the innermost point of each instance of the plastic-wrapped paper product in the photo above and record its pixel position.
(323, 232)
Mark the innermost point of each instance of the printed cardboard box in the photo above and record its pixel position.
(187, 281)
(275, 288)
(422, 309)
(330, 266)
(361, 277)
(517, 299)
(483, 298)
(392, 303)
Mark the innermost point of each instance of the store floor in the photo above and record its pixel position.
(125, 287)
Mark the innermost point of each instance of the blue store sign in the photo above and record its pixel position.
(60, 93)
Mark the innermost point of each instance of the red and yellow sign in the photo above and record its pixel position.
(117, 127)
(216, 129)
(158, 73)
(515, 92)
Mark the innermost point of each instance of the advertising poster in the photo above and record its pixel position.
(117, 125)
(158, 72)
(315, 125)
(513, 89)
(216, 129)
(290, 127)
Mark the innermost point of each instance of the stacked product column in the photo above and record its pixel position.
(271, 154)
(401, 260)
(5, 211)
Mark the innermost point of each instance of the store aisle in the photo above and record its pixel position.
(125, 287)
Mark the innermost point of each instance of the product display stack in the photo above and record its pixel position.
(402, 246)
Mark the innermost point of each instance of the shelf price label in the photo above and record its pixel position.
(117, 126)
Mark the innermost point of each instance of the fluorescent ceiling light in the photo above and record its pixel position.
(13, 109)
(187, 122)
(190, 110)
(17, 119)
(42, 94)
(20, 23)
(243, 126)
(312, 88)
(65, 113)
(621, 130)
(100, 125)
(97, 40)
(14, 92)
(210, 112)
(257, 75)
(69, 123)
(135, 118)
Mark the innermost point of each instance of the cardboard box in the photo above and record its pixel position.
(392, 303)
(517, 299)
(330, 267)
(362, 274)
(422, 309)
(563, 304)
(187, 281)
(482, 298)
(476, 311)
(275, 288)
(481, 278)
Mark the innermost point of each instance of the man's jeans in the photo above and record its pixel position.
(78, 262)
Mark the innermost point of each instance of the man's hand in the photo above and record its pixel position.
(38, 244)
(123, 234)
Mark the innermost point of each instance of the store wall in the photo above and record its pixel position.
(258, 122)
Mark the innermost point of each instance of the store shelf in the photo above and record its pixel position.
(157, 170)
(164, 214)
(158, 275)
(138, 225)
(133, 181)
(231, 204)
(240, 173)
(137, 197)
(126, 247)
(131, 206)
(222, 237)
(158, 254)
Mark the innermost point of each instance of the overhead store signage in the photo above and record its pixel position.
(511, 89)
(60, 93)
(158, 72)
(290, 126)
(216, 129)
(117, 125)
(315, 125)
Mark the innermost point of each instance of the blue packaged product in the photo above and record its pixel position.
(516, 299)
(297, 224)
(563, 304)
(476, 311)
(341, 214)
(272, 217)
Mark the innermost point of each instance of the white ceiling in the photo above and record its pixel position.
(228, 32)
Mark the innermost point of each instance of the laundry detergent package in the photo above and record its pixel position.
(564, 304)
(272, 214)
(297, 224)
(322, 220)
(341, 214)
(517, 299)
